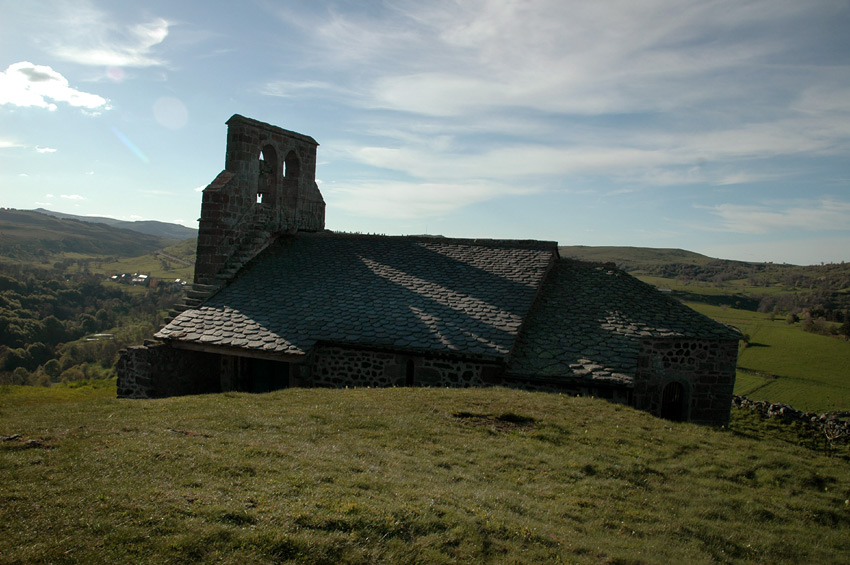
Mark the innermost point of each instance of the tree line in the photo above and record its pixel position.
(50, 323)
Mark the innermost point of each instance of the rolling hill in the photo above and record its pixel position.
(631, 258)
(27, 235)
(149, 227)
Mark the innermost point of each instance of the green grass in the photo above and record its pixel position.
(154, 264)
(809, 371)
(148, 265)
(732, 289)
(406, 475)
(80, 391)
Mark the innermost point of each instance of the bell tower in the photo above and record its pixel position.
(267, 188)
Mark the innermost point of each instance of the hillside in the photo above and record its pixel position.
(405, 475)
(632, 258)
(150, 227)
(28, 236)
(752, 286)
(174, 261)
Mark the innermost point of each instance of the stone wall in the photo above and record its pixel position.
(705, 369)
(157, 370)
(253, 199)
(339, 367)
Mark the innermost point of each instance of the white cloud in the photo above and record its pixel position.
(292, 89)
(5, 143)
(718, 95)
(200, 188)
(90, 37)
(72, 196)
(25, 84)
(405, 200)
(824, 215)
(45, 149)
(448, 58)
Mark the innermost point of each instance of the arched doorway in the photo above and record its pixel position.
(674, 402)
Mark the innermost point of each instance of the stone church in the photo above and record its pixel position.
(279, 302)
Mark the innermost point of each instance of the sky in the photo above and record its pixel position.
(720, 127)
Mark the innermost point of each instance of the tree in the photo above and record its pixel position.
(53, 369)
(20, 376)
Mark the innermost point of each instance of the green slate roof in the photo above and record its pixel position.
(468, 297)
(589, 319)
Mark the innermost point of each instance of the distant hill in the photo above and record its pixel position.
(631, 258)
(825, 288)
(27, 235)
(150, 227)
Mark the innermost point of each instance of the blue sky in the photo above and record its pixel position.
(721, 127)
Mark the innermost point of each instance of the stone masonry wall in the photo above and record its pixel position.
(252, 199)
(157, 370)
(704, 368)
(339, 367)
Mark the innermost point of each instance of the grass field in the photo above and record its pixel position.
(405, 475)
(173, 262)
(727, 288)
(809, 371)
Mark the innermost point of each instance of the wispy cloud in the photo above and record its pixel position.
(25, 84)
(824, 215)
(290, 89)
(89, 36)
(406, 200)
(72, 196)
(7, 143)
(656, 94)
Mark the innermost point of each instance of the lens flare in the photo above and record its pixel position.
(130, 145)
(115, 74)
(170, 113)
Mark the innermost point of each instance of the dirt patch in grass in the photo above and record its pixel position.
(503, 422)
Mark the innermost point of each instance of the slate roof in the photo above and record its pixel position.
(432, 294)
(589, 319)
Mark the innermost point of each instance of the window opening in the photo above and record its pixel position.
(266, 180)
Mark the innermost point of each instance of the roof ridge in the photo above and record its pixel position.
(478, 241)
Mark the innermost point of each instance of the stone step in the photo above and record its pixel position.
(199, 294)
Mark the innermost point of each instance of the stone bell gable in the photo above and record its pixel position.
(268, 187)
